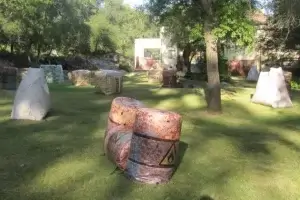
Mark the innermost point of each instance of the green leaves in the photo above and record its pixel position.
(68, 26)
(115, 26)
(184, 19)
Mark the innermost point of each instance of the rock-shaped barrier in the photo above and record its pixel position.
(32, 99)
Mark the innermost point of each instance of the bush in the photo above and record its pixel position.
(125, 64)
(295, 84)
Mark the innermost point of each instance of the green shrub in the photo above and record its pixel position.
(223, 67)
(126, 64)
(295, 84)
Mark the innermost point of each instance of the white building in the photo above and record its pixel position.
(151, 51)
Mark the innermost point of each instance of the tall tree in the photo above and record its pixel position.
(286, 13)
(42, 25)
(115, 26)
(220, 20)
(214, 88)
(283, 28)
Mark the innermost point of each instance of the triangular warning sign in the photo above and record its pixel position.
(170, 157)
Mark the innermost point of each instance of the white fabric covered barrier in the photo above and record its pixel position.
(253, 74)
(53, 73)
(271, 89)
(32, 100)
(261, 95)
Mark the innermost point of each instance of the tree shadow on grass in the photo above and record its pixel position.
(28, 149)
(182, 150)
(65, 151)
(218, 151)
(205, 197)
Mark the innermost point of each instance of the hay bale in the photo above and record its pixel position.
(97, 76)
(108, 82)
(80, 77)
(155, 76)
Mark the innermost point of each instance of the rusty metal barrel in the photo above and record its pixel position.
(122, 114)
(118, 145)
(169, 79)
(154, 146)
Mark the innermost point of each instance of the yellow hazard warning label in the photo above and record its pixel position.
(170, 157)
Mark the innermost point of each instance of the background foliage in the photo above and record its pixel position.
(37, 27)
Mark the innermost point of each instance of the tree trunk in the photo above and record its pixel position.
(39, 47)
(49, 54)
(186, 58)
(28, 49)
(213, 95)
(11, 46)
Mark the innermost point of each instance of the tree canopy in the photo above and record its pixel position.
(208, 23)
(77, 26)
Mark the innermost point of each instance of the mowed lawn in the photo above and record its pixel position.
(251, 152)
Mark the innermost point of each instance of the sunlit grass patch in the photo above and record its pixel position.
(249, 152)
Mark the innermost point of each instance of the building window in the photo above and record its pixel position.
(153, 53)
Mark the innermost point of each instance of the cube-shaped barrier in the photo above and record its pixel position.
(53, 73)
(108, 81)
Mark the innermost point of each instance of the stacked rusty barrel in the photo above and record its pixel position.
(144, 142)
(119, 130)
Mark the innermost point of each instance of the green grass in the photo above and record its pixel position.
(251, 152)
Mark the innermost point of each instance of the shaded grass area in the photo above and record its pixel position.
(249, 152)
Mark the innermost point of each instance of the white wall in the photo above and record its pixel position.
(163, 43)
(145, 43)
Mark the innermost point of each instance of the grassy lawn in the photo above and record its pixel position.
(251, 152)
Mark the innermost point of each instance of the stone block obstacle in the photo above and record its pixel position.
(143, 142)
